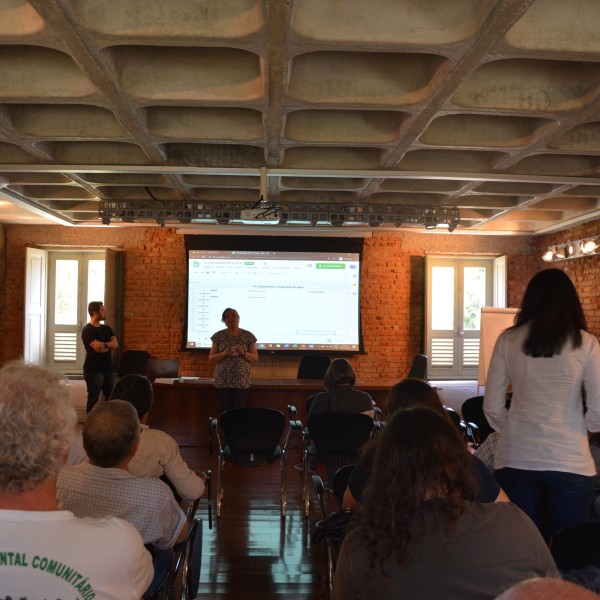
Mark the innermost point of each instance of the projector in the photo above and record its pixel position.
(259, 214)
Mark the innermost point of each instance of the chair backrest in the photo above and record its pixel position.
(133, 362)
(577, 547)
(472, 411)
(185, 561)
(313, 366)
(252, 435)
(339, 437)
(162, 367)
(340, 483)
(194, 559)
(418, 369)
(455, 418)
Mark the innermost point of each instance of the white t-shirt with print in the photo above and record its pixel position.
(54, 555)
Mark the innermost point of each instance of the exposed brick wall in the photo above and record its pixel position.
(392, 301)
(584, 272)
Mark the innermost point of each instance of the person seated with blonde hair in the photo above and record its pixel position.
(49, 552)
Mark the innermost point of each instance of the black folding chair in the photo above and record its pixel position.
(133, 362)
(472, 412)
(184, 574)
(331, 529)
(418, 368)
(338, 438)
(251, 439)
(313, 366)
(468, 430)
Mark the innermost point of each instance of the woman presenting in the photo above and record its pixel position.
(233, 349)
(553, 364)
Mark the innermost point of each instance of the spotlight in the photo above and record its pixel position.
(430, 221)
(588, 246)
(560, 252)
(548, 255)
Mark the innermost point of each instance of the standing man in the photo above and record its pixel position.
(99, 341)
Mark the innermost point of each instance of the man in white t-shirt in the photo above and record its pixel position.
(47, 552)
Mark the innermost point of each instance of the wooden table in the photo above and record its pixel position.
(182, 409)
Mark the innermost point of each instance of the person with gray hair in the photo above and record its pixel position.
(158, 453)
(46, 550)
(103, 486)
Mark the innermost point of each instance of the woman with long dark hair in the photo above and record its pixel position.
(410, 393)
(420, 533)
(553, 364)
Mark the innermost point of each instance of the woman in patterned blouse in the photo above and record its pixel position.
(233, 349)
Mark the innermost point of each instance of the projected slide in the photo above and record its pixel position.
(290, 301)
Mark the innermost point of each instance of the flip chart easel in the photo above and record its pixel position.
(493, 322)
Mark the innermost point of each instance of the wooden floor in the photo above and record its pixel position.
(252, 553)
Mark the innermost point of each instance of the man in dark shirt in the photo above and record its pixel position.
(99, 341)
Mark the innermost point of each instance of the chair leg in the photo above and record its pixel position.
(305, 490)
(184, 575)
(330, 569)
(220, 492)
(283, 484)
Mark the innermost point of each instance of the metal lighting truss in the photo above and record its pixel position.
(316, 214)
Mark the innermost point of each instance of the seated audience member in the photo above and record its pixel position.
(340, 394)
(102, 486)
(76, 452)
(158, 453)
(427, 536)
(486, 452)
(410, 393)
(48, 552)
(541, 588)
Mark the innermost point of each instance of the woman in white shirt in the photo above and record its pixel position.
(549, 358)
